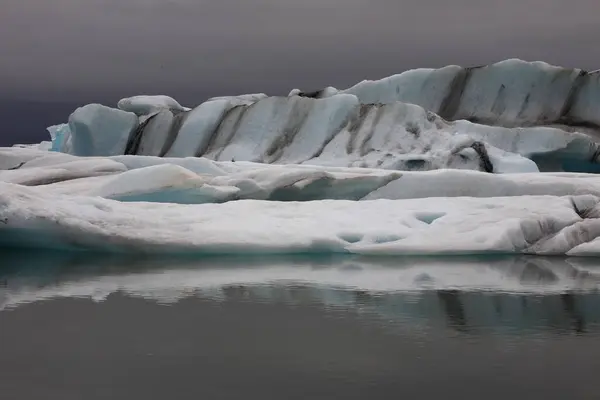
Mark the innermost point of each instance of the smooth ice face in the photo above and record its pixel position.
(424, 87)
(97, 130)
(198, 128)
(585, 108)
(157, 136)
(508, 93)
(143, 105)
(59, 134)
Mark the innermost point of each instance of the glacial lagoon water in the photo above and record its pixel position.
(298, 327)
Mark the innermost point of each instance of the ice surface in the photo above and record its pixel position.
(203, 180)
(59, 134)
(552, 112)
(508, 93)
(533, 224)
(142, 105)
(155, 141)
(337, 131)
(166, 183)
(424, 87)
(97, 130)
(240, 100)
(333, 131)
(198, 128)
(64, 171)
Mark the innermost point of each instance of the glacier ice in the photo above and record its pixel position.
(240, 100)
(143, 105)
(334, 131)
(157, 135)
(424, 162)
(58, 134)
(97, 130)
(192, 179)
(460, 225)
(198, 127)
(66, 171)
(417, 120)
(508, 93)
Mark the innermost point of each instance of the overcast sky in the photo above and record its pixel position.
(53, 49)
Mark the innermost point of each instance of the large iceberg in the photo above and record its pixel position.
(30, 217)
(508, 93)
(494, 159)
(500, 118)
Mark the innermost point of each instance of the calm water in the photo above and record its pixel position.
(298, 328)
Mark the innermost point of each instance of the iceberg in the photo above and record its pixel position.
(96, 130)
(485, 160)
(508, 93)
(335, 131)
(543, 225)
(198, 180)
(512, 116)
(58, 135)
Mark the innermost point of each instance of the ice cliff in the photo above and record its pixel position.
(498, 118)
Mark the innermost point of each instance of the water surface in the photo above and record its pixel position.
(75, 327)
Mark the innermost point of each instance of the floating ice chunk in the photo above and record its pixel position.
(97, 130)
(58, 134)
(509, 163)
(142, 105)
(165, 183)
(32, 218)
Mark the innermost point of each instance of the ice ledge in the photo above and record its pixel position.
(545, 225)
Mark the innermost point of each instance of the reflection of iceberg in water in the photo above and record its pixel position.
(503, 293)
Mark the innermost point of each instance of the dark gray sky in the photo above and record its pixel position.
(78, 51)
(54, 49)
